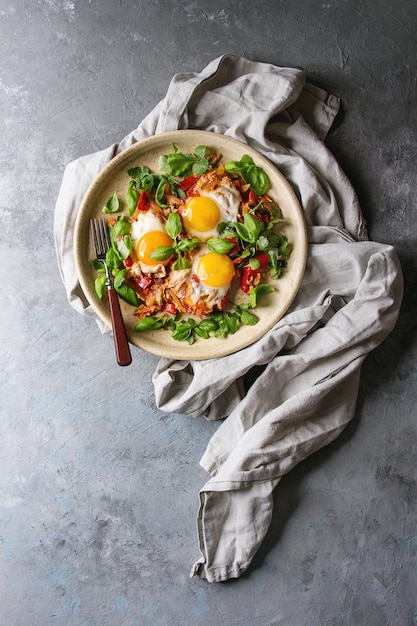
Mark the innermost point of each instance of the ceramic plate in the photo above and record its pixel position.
(114, 178)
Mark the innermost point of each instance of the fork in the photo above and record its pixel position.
(101, 243)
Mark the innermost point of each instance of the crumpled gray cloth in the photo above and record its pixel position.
(311, 359)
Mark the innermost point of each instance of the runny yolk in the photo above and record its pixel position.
(201, 214)
(149, 242)
(215, 270)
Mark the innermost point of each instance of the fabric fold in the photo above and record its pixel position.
(310, 361)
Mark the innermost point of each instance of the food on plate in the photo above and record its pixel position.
(197, 245)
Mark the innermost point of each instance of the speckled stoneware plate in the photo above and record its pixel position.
(114, 178)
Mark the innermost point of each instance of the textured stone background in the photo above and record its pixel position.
(98, 489)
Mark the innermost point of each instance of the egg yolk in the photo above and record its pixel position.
(149, 242)
(201, 214)
(215, 270)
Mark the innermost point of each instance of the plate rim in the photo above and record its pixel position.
(217, 347)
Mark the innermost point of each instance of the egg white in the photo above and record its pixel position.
(145, 223)
(213, 295)
(227, 199)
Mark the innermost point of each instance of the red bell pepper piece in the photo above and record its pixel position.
(188, 182)
(249, 274)
(169, 307)
(144, 282)
(143, 202)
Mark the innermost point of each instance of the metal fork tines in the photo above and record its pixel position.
(101, 243)
(100, 237)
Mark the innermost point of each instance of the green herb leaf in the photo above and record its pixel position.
(150, 323)
(188, 244)
(132, 197)
(251, 173)
(200, 332)
(162, 253)
(262, 243)
(256, 293)
(112, 205)
(121, 227)
(180, 164)
(128, 294)
(182, 332)
(247, 318)
(98, 266)
(173, 225)
(159, 193)
(181, 264)
(201, 151)
(220, 246)
(208, 325)
(124, 246)
(145, 181)
(119, 279)
(99, 285)
(113, 260)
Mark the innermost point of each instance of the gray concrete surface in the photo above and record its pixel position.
(98, 489)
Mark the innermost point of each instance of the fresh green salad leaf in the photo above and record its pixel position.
(173, 227)
(179, 164)
(99, 285)
(112, 205)
(221, 246)
(251, 173)
(256, 293)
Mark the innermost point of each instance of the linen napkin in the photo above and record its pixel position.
(311, 359)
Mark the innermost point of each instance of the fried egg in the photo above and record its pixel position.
(203, 213)
(212, 276)
(148, 233)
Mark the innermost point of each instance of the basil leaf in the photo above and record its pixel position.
(221, 246)
(208, 325)
(112, 205)
(201, 332)
(149, 323)
(98, 266)
(124, 246)
(234, 167)
(232, 321)
(253, 226)
(257, 179)
(121, 227)
(285, 249)
(251, 173)
(256, 293)
(132, 197)
(173, 225)
(181, 264)
(128, 294)
(113, 260)
(159, 194)
(185, 245)
(99, 285)
(243, 232)
(247, 318)
(254, 263)
(119, 279)
(182, 331)
(162, 253)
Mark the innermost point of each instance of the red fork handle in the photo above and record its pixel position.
(121, 343)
